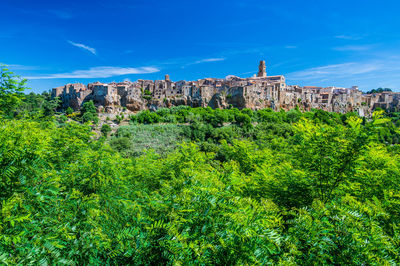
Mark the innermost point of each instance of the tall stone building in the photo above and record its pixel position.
(262, 70)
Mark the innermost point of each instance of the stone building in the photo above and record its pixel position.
(262, 70)
(257, 92)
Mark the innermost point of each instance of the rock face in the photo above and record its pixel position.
(254, 93)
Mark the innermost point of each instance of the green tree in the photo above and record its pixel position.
(88, 107)
(69, 111)
(50, 107)
(105, 129)
(329, 153)
(11, 92)
(89, 112)
(378, 90)
(243, 120)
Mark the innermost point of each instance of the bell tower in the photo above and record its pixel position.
(262, 70)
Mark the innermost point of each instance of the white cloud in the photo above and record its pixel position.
(368, 74)
(99, 72)
(82, 46)
(19, 67)
(290, 47)
(209, 60)
(354, 48)
(334, 71)
(62, 14)
(348, 37)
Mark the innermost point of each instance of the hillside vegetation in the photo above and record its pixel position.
(189, 186)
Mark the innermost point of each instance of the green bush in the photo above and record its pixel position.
(243, 120)
(62, 119)
(118, 119)
(89, 113)
(146, 117)
(120, 144)
(105, 129)
(69, 111)
(11, 92)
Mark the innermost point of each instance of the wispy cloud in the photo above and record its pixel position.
(349, 37)
(82, 46)
(334, 71)
(354, 48)
(19, 67)
(99, 72)
(290, 47)
(368, 74)
(248, 72)
(244, 22)
(208, 60)
(62, 14)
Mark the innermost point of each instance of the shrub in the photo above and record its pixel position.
(105, 129)
(88, 107)
(293, 116)
(90, 117)
(147, 117)
(62, 119)
(243, 120)
(69, 111)
(163, 112)
(120, 144)
(89, 113)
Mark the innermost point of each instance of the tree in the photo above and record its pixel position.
(120, 144)
(147, 117)
(50, 107)
(69, 111)
(105, 129)
(88, 107)
(89, 112)
(218, 118)
(243, 120)
(11, 92)
(378, 90)
(328, 154)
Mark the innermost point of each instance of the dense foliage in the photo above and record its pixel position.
(378, 90)
(243, 187)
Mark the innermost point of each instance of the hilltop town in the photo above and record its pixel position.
(257, 92)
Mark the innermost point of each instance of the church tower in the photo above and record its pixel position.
(262, 70)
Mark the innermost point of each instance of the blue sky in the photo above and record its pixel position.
(322, 43)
